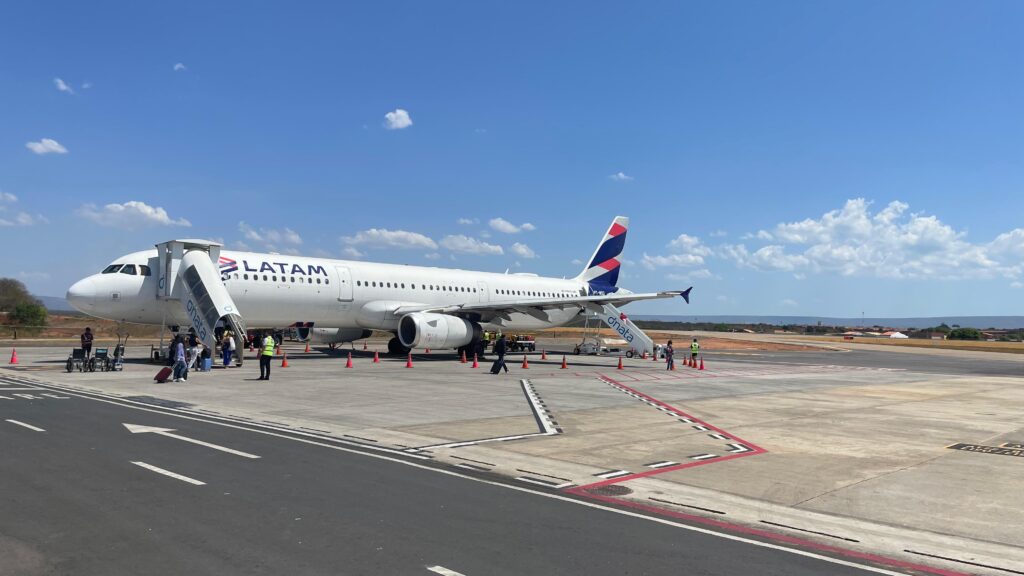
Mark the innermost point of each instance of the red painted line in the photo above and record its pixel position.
(583, 491)
(768, 535)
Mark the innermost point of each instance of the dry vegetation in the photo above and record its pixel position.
(1007, 347)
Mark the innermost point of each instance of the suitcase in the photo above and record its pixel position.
(162, 375)
(496, 367)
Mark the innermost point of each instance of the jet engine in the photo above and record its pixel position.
(426, 330)
(332, 335)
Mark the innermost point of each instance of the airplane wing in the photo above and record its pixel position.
(536, 307)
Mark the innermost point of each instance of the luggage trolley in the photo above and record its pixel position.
(101, 360)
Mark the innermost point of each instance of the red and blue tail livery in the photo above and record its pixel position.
(602, 273)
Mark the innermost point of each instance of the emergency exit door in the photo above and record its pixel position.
(344, 281)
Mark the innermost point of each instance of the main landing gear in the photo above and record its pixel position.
(396, 348)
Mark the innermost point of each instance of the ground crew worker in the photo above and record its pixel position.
(87, 341)
(694, 349)
(670, 361)
(266, 354)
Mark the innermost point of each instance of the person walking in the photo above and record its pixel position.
(670, 361)
(87, 341)
(266, 355)
(227, 347)
(694, 350)
(500, 347)
(180, 370)
(193, 351)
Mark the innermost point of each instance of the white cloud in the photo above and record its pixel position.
(467, 245)
(1016, 284)
(8, 197)
(352, 252)
(702, 274)
(620, 177)
(383, 238)
(129, 215)
(718, 234)
(34, 275)
(62, 86)
(86, 85)
(468, 221)
(522, 250)
(686, 251)
(502, 225)
(432, 256)
(46, 146)
(576, 261)
(397, 120)
(789, 303)
(890, 243)
(179, 67)
(23, 219)
(275, 240)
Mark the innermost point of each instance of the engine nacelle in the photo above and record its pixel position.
(426, 330)
(332, 335)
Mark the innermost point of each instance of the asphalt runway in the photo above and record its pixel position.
(81, 494)
(926, 363)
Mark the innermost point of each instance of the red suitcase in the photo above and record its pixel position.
(163, 375)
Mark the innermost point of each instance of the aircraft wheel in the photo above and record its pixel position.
(396, 348)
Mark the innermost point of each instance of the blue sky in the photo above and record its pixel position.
(821, 158)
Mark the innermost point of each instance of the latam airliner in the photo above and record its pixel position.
(195, 282)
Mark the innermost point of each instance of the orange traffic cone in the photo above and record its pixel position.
(284, 360)
(543, 355)
(14, 356)
(349, 363)
(693, 362)
(277, 350)
(654, 357)
(408, 363)
(673, 364)
(376, 358)
(564, 365)
(364, 345)
(463, 359)
(620, 363)
(475, 363)
(701, 362)
(307, 347)
(644, 355)
(526, 364)
(427, 351)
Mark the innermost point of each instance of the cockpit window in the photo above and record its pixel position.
(144, 270)
(128, 269)
(113, 268)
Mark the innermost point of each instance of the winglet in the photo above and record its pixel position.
(686, 294)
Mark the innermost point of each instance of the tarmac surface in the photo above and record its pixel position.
(765, 462)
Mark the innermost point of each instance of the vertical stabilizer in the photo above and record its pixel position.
(602, 271)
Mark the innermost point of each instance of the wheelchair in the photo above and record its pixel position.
(76, 361)
(101, 359)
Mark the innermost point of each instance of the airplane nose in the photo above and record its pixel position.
(82, 295)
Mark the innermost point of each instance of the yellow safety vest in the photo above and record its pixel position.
(268, 346)
(694, 347)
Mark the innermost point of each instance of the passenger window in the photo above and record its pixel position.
(403, 285)
(264, 277)
(128, 269)
(112, 269)
(293, 279)
(245, 276)
(144, 270)
(317, 280)
(326, 281)
(275, 278)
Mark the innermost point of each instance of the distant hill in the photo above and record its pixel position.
(56, 304)
(997, 322)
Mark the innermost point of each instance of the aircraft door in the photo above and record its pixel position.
(482, 289)
(344, 284)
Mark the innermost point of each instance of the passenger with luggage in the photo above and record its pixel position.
(180, 364)
(228, 347)
(500, 347)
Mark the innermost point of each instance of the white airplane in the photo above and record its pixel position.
(195, 282)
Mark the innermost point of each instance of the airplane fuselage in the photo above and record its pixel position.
(273, 290)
